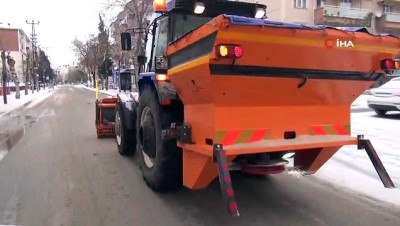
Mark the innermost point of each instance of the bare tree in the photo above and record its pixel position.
(13, 74)
(28, 70)
(93, 46)
(81, 50)
(121, 57)
(139, 9)
(4, 75)
(87, 53)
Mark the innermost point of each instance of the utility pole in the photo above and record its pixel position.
(34, 53)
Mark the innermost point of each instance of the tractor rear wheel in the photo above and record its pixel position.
(160, 160)
(126, 139)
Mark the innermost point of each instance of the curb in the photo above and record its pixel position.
(16, 109)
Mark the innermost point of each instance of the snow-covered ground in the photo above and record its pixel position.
(31, 98)
(352, 169)
(109, 92)
(360, 102)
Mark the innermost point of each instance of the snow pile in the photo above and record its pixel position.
(352, 168)
(13, 103)
(109, 92)
(360, 102)
(40, 99)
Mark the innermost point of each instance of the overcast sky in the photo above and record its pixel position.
(60, 22)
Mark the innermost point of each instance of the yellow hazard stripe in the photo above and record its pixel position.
(241, 136)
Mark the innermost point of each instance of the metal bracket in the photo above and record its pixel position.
(182, 133)
(376, 161)
(225, 179)
(185, 134)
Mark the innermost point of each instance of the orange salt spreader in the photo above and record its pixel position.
(220, 85)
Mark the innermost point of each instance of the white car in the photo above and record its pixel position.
(386, 97)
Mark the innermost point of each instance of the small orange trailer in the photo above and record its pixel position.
(220, 85)
(105, 121)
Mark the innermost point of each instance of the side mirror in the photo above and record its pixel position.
(126, 42)
(141, 59)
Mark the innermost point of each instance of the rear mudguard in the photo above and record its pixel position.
(128, 105)
(165, 90)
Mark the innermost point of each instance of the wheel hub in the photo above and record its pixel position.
(148, 137)
(118, 128)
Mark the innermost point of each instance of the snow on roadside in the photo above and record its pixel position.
(40, 99)
(110, 92)
(13, 103)
(360, 102)
(352, 169)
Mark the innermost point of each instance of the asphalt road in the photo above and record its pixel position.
(58, 173)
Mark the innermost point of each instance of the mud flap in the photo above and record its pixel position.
(376, 161)
(225, 179)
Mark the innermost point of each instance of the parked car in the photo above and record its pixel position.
(385, 79)
(386, 97)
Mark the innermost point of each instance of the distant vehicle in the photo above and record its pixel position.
(386, 97)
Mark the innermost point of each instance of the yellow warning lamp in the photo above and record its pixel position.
(160, 5)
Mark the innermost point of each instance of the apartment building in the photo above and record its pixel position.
(126, 20)
(381, 16)
(18, 43)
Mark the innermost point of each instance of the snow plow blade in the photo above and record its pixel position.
(286, 88)
(105, 117)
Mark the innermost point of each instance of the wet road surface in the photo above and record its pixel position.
(56, 172)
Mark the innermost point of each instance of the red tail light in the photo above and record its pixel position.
(390, 65)
(229, 51)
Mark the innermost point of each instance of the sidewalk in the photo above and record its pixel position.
(13, 103)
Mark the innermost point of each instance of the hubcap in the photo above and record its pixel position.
(118, 128)
(148, 137)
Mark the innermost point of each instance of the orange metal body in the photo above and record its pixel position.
(250, 114)
(103, 128)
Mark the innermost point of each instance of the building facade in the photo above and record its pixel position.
(18, 43)
(382, 16)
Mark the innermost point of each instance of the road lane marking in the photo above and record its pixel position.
(2, 155)
(47, 113)
(10, 211)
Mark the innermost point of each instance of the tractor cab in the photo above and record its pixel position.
(173, 19)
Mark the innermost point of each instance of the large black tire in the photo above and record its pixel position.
(380, 112)
(126, 139)
(164, 173)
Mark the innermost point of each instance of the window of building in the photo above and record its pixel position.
(301, 4)
(130, 16)
(387, 8)
(345, 3)
(320, 3)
